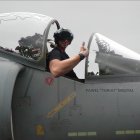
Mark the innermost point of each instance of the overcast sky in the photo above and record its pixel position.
(118, 20)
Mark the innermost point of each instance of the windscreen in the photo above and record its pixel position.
(22, 33)
(106, 57)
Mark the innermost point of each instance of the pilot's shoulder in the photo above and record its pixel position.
(54, 51)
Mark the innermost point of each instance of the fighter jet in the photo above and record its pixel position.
(36, 106)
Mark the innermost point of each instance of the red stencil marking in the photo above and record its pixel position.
(49, 80)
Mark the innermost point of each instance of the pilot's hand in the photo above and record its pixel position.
(84, 50)
(82, 47)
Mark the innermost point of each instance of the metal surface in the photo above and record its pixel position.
(8, 73)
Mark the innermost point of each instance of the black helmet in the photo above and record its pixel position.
(63, 34)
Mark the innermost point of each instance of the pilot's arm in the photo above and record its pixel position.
(60, 67)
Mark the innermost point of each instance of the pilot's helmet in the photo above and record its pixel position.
(63, 34)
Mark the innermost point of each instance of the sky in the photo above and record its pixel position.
(117, 20)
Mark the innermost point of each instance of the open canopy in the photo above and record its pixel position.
(107, 57)
(22, 33)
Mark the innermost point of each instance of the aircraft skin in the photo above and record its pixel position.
(34, 105)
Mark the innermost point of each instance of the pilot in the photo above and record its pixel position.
(59, 63)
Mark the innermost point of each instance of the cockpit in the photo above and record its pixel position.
(28, 35)
(24, 33)
(107, 57)
(24, 37)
